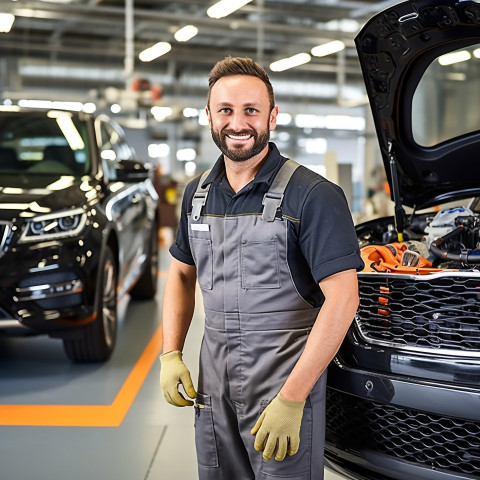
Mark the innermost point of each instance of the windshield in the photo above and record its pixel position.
(50, 143)
(445, 104)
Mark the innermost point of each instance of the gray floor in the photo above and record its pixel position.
(38, 386)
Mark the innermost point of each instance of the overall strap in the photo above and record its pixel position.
(272, 200)
(200, 197)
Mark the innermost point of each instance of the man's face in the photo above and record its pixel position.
(240, 118)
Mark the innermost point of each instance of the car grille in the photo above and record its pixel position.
(434, 313)
(434, 441)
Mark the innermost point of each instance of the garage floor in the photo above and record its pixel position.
(62, 421)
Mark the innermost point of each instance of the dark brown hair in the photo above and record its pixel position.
(239, 66)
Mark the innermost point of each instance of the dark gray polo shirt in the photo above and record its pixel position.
(321, 236)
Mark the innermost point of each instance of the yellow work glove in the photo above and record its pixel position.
(279, 425)
(174, 372)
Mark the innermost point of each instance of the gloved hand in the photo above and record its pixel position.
(280, 422)
(174, 372)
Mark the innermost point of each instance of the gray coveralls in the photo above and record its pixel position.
(256, 327)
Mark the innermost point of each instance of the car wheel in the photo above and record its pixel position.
(98, 340)
(146, 286)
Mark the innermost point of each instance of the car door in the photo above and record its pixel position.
(127, 205)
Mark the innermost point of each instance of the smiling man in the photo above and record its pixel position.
(274, 251)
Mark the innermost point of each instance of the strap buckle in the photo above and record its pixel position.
(199, 200)
(271, 203)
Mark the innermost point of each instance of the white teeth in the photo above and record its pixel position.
(239, 137)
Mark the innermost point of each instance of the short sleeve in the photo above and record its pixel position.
(327, 235)
(180, 248)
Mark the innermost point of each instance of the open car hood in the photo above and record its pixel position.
(427, 119)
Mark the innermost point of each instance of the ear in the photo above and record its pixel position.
(273, 118)
(208, 116)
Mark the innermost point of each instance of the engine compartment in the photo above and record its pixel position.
(433, 242)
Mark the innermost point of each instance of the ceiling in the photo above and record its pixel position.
(84, 49)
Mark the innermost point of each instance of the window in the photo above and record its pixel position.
(445, 104)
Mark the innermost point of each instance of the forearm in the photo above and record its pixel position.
(178, 305)
(326, 336)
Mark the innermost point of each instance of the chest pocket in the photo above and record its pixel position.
(202, 251)
(259, 260)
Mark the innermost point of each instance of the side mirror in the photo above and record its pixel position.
(132, 171)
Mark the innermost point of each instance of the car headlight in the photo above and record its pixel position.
(54, 225)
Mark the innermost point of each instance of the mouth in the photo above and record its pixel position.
(239, 137)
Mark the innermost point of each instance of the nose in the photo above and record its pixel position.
(238, 121)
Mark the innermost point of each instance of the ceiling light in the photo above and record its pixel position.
(186, 154)
(115, 108)
(53, 105)
(346, 25)
(290, 62)
(476, 53)
(225, 7)
(186, 33)
(190, 112)
(328, 48)
(454, 57)
(161, 113)
(344, 122)
(284, 118)
(155, 51)
(6, 22)
(156, 150)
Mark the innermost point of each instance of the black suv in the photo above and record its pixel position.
(403, 398)
(78, 228)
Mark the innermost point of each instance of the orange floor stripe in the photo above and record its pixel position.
(88, 415)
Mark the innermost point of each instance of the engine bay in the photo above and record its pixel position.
(432, 242)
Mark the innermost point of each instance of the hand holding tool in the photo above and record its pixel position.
(174, 372)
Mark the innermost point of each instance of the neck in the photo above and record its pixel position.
(241, 173)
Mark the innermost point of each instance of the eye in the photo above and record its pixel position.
(225, 110)
(251, 110)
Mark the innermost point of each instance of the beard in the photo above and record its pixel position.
(241, 154)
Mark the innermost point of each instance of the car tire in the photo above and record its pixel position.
(98, 340)
(146, 286)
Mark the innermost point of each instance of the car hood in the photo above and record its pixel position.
(30, 196)
(395, 49)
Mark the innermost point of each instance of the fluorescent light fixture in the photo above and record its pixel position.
(161, 113)
(186, 154)
(328, 48)
(331, 122)
(6, 22)
(284, 119)
(74, 106)
(155, 51)
(344, 122)
(225, 7)
(290, 62)
(186, 33)
(308, 120)
(189, 112)
(158, 150)
(476, 53)
(454, 57)
(344, 25)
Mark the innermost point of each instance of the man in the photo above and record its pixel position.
(274, 251)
